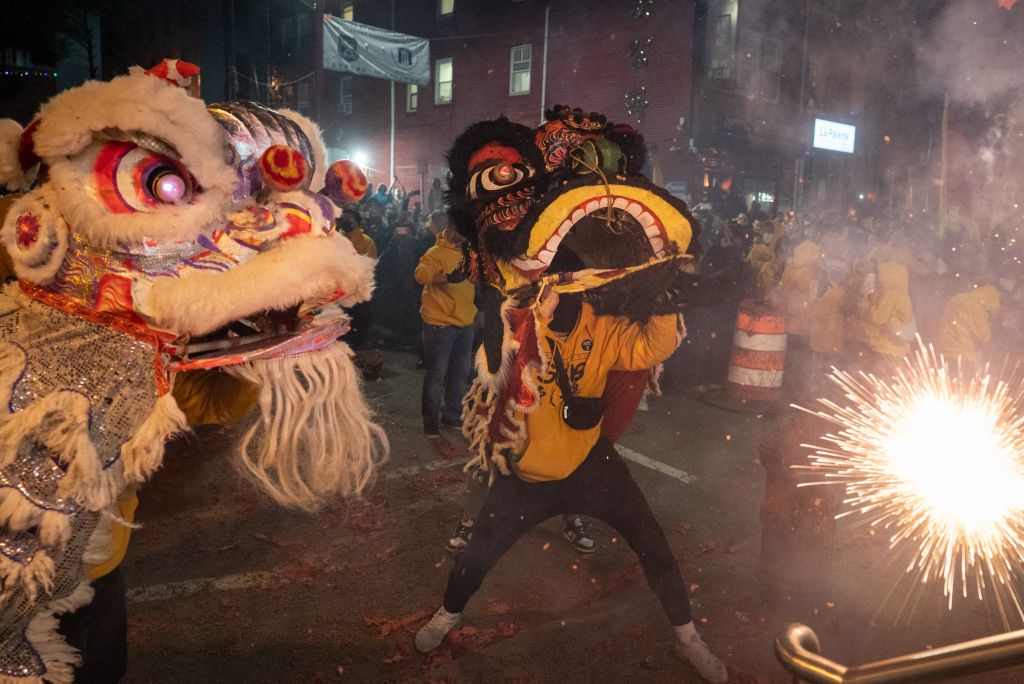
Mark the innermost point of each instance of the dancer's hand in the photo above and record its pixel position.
(546, 304)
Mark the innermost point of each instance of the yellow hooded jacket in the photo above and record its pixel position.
(966, 326)
(887, 320)
(449, 303)
(827, 331)
(796, 292)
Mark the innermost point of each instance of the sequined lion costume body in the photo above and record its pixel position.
(158, 237)
(525, 199)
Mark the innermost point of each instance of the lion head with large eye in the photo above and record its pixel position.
(568, 195)
(158, 238)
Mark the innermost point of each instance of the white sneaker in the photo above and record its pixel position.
(643, 406)
(433, 633)
(690, 646)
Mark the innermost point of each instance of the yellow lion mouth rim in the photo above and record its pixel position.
(663, 224)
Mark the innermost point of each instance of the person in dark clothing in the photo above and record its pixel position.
(400, 293)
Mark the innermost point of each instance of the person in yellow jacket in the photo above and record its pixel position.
(796, 297)
(885, 317)
(448, 311)
(566, 465)
(827, 331)
(761, 260)
(966, 326)
(351, 224)
(797, 290)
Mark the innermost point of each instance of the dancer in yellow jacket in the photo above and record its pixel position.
(966, 327)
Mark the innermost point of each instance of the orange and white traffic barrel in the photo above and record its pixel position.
(758, 354)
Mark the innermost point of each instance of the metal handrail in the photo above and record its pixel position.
(798, 649)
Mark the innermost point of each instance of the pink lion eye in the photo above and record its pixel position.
(129, 178)
(168, 187)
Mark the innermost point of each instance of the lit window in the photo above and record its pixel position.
(445, 7)
(348, 11)
(519, 70)
(443, 81)
(345, 95)
(412, 97)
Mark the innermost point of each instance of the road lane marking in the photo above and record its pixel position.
(263, 579)
(664, 469)
(268, 579)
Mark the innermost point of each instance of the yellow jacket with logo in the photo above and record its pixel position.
(967, 322)
(596, 345)
(449, 303)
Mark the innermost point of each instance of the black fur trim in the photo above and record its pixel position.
(655, 291)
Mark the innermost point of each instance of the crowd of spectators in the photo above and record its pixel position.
(855, 292)
(850, 288)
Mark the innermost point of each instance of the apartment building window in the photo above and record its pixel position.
(345, 95)
(720, 40)
(519, 70)
(348, 11)
(412, 97)
(445, 7)
(295, 32)
(443, 81)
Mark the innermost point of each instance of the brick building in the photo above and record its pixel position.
(628, 60)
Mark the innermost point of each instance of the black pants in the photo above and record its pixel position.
(99, 630)
(601, 487)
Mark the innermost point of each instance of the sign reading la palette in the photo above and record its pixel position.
(835, 136)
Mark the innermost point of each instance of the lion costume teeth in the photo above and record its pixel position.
(152, 225)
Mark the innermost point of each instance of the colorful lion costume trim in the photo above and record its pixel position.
(532, 201)
(158, 236)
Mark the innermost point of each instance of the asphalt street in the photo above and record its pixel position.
(226, 587)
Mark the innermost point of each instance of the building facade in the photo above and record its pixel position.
(784, 112)
(628, 60)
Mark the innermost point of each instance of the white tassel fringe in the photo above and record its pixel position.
(315, 436)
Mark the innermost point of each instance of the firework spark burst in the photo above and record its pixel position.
(935, 456)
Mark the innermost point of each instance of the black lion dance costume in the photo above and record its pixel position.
(157, 239)
(585, 268)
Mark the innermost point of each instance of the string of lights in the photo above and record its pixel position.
(22, 72)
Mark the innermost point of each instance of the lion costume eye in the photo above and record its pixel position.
(497, 177)
(130, 178)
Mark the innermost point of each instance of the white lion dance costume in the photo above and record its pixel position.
(158, 235)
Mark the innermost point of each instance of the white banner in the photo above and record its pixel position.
(371, 51)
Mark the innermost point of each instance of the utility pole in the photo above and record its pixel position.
(391, 152)
(318, 66)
